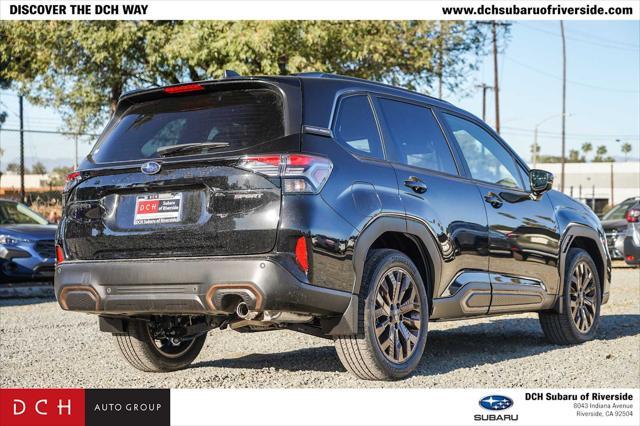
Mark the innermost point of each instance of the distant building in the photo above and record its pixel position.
(598, 184)
(10, 183)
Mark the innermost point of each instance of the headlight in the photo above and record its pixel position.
(8, 239)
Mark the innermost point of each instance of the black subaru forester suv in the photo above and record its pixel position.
(328, 205)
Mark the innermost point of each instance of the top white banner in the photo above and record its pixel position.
(320, 9)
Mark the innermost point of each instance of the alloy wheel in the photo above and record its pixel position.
(398, 313)
(582, 297)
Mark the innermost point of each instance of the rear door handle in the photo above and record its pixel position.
(493, 199)
(416, 185)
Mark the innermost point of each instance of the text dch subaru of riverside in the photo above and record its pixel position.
(328, 205)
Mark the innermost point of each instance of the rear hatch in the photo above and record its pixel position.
(166, 178)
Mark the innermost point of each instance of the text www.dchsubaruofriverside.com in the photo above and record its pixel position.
(549, 9)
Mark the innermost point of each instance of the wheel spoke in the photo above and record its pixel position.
(380, 328)
(383, 311)
(409, 307)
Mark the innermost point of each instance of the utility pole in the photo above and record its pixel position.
(75, 162)
(611, 202)
(21, 112)
(535, 136)
(496, 87)
(484, 88)
(564, 103)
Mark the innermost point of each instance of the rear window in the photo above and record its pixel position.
(237, 118)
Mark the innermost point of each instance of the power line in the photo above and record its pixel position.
(617, 46)
(590, 86)
(604, 39)
(57, 132)
(586, 135)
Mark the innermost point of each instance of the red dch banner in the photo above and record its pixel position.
(42, 407)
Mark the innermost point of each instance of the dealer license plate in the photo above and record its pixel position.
(158, 208)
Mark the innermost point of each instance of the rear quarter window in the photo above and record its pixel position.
(240, 118)
(355, 126)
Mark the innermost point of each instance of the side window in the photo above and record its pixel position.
(356, 127)
(488, 160)
(417, 136)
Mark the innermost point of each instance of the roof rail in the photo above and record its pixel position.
(314, 74)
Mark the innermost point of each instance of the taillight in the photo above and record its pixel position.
(633, 215)
(630, 258)
(71, 180)
(184, 88)
(301, 173)
(59, 254)
(302, 258)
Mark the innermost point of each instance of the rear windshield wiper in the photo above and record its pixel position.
(187, 147)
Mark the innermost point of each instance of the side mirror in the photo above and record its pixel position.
(540, 180)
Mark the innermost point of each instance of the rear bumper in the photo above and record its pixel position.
(189, 286)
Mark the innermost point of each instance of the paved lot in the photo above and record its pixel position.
(42, 346)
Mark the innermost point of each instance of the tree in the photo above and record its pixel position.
(587, 147)
(39, 169)
(626, 149)
(574, 157)
(14, 168)
(549, 159)
(82, 67)
(58, 175)
(601, 151)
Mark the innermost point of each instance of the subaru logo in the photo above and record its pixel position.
(496, 402)
(150, 168)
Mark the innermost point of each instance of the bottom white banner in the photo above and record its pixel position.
(372, 407)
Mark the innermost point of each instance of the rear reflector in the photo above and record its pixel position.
(184, 88)
(59, 254)
(301, 254)
(630, 258)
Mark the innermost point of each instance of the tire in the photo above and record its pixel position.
(566, 328)
(141, 351)
(364, 354)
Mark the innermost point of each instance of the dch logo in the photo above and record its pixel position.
(20, 407)
(45, 407)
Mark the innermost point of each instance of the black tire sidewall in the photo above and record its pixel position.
(576, 256)
(395, 370)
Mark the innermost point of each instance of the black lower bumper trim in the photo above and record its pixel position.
(192, 286)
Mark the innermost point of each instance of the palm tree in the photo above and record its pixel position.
(626, 149)
(587, 148)
(601, 151)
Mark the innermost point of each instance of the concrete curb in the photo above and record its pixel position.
(25, 290)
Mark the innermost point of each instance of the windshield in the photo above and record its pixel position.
(237, 119)
(18, 214)
(618, 212)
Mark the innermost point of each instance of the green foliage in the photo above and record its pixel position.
(82, 67)
(549, 159)
(601, 151)
(626, 149)
(39, 169)
(587, 147)
(14, 168)
(58, 175)
(574, 157)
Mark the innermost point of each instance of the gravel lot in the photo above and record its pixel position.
(42, 346)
